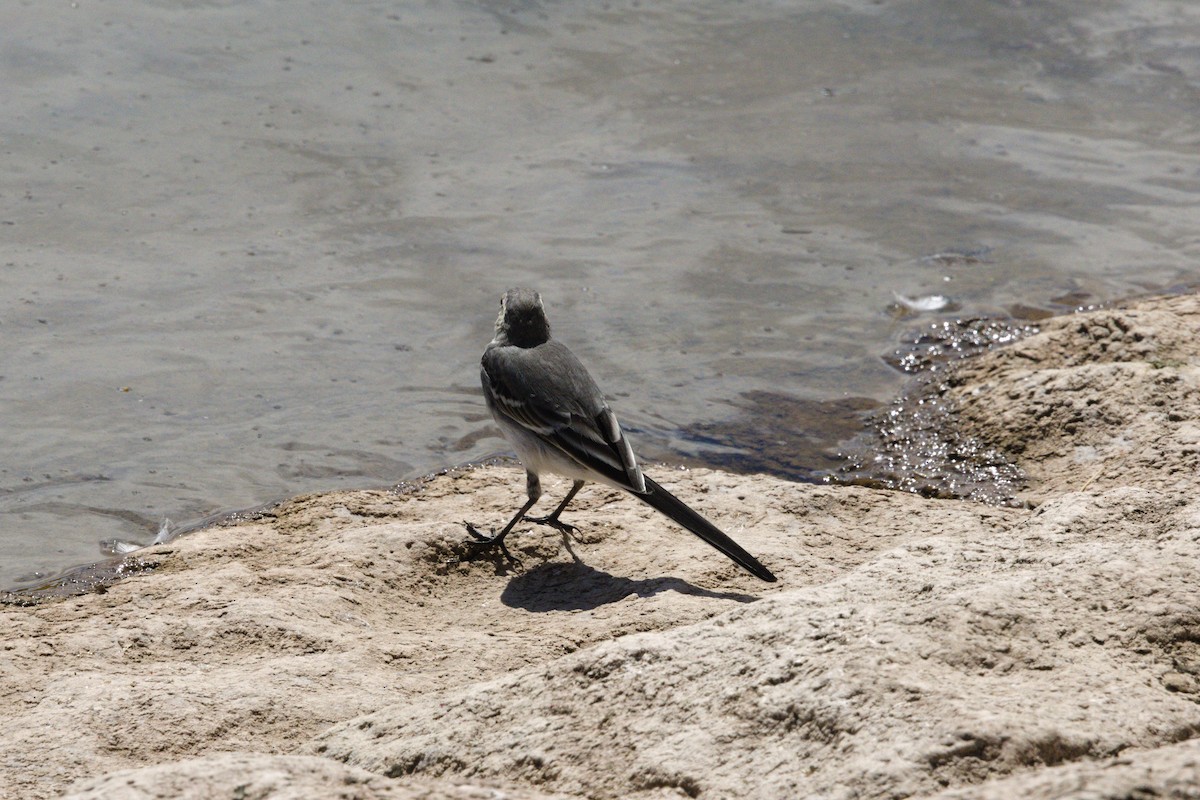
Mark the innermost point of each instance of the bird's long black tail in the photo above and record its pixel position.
(660, 499)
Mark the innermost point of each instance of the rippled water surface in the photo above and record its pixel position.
(252, 249)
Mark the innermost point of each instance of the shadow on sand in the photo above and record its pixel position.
(578, 587)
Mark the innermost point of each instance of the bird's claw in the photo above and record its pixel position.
(553, 522)
(471, 529)
(482, 542)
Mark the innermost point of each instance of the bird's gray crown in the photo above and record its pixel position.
(522, 319)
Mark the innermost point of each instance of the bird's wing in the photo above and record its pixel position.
(611, 455)
(548, 391)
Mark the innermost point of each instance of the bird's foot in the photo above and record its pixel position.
(471, 529)
(483, 542)
(553, 522)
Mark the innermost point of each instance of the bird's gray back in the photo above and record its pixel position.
(548, 376)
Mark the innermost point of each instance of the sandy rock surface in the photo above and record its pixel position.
(1107, 398)
(242, 775)
(341, 646)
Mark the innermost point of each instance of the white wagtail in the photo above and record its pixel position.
(555, 417)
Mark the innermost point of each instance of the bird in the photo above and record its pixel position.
(554, 415)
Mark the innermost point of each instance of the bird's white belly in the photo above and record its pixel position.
(540, 457)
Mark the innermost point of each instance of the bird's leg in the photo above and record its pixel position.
(533, 487)
(552, 518)
(484, 542)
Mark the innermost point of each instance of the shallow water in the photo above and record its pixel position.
(253, 249)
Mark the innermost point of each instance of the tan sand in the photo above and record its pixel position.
(339, 647)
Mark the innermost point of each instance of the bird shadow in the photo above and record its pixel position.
(575, 586)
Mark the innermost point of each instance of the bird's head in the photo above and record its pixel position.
(522, 319)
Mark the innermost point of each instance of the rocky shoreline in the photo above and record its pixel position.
(339, 645)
